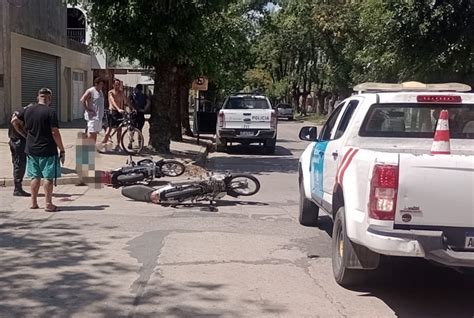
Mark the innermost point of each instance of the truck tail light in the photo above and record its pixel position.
(383, 192)
(273, 123)
(220, 120)
(438, 99)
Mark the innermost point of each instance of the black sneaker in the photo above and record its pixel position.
(21, 193)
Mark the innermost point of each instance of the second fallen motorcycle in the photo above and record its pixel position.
(215, 187)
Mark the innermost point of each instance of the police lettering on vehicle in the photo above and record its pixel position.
(260, 117)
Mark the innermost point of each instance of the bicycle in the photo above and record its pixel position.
(132, 140)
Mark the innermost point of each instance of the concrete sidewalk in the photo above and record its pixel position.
(187, 151)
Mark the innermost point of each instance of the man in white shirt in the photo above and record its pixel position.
(93, 102)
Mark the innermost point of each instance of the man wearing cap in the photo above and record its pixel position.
(39, 123)
(17, 148)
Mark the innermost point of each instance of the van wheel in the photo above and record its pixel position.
(342, 251)
(308, 211)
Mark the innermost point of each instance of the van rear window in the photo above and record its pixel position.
(417, 120)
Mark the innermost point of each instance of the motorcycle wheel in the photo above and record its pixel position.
(243, 185)
(172, 168)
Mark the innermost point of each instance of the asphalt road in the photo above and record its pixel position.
(105, 256)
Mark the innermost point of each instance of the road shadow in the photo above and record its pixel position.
(414, 287)
(205, 206)
(75, 208)
(254, 165)
(198, 299)
(62, 195)
(257, 150)
(57, 270)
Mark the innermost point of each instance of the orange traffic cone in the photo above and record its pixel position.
(441, 144)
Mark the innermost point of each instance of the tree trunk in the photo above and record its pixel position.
(162, 103)
(175, 111)
(320, 97)
(304, 103)
(295, 94)
(333, 102)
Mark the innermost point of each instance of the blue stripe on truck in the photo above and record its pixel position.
(316, 169)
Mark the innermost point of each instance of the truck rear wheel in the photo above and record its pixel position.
(342, 252)
(308, 211)
(270, 145)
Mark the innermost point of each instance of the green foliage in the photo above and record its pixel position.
(178, 40)
(336, 46)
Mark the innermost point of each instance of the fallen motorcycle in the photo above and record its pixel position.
(215, 187)
(145, 170)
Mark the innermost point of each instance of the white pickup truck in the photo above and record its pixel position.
(372, 171)
(246, 119)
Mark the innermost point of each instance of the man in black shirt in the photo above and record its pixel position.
(42, 142)
(17, 148)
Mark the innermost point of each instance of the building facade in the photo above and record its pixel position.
(35, 52)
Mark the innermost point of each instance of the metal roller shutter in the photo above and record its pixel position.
(38, 70)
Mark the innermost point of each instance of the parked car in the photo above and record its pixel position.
(285, 111)
(246, 119)
(373, 170)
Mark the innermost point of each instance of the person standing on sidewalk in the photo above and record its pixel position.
(17, 144)
(43, 140)
(139, 102)
(93, 102)
(117, 105)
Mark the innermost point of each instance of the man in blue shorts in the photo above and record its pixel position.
(39, 123)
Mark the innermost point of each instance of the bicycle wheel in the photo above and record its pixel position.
(172, 168)
(243, 185)
(132, 141)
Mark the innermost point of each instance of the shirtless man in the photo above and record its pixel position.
(117, 103)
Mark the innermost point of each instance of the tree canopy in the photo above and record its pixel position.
(334, 46)
(303, 48)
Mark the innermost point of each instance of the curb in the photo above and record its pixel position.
(61, 181)
(201, 161)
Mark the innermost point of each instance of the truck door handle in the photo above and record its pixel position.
(335, 154)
